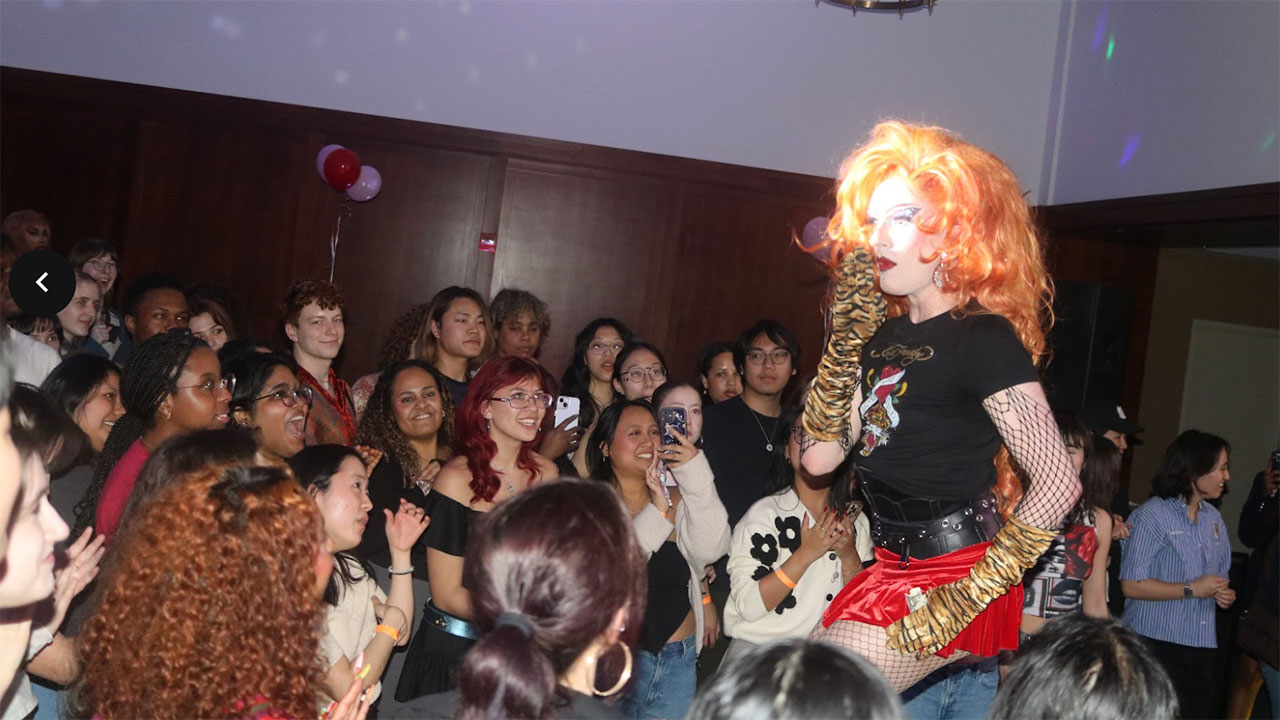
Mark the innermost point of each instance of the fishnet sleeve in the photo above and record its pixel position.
(1022, 416)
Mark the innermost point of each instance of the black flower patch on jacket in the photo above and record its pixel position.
(764, 548)
(788, 531)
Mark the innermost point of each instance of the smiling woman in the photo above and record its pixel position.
(496, 430)
(270, 400)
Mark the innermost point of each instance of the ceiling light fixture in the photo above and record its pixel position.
(901, 6)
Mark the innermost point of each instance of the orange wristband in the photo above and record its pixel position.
(389, 631)
(791, 584)
(706, 599)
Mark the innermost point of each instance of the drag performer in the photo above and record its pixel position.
(939, 401)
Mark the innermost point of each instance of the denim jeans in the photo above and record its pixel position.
(954, 692)
(662, 685)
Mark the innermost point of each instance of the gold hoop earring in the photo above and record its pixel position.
(622, 679)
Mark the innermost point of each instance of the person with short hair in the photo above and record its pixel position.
(316, 326)
(521, 322)
(742, 432)
(99, 260)
(153, 304)
(78, 317)
(1176, 566)
(1082, 667)
(797, 679)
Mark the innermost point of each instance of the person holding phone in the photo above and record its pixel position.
(681, 530)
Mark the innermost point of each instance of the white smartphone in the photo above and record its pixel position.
(566, 407)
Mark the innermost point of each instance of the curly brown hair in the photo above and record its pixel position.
(209, 597)
(378, 424)
(404, 335)
(304, 292)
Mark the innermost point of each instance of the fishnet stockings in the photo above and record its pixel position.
(1026, 425)
(901, 670)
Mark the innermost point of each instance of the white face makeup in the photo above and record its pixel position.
(899, 244)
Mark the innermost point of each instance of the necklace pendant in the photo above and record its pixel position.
(768, 447)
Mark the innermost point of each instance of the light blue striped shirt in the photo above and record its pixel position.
(1167, 546)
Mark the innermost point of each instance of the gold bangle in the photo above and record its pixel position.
(791, 584)
(389, 631)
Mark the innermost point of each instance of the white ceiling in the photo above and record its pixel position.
(1185, 98)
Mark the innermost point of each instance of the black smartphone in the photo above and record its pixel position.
(676, 418)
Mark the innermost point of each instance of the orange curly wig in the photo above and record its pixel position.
(209, 598)
(994, 257)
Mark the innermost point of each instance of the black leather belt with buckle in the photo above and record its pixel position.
(448, 623)
(974, 521)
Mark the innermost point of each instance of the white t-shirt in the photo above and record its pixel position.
(32, 360)
(762, 541)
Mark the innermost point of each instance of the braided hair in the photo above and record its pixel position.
(150, 375)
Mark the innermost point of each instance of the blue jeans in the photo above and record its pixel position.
(954, 691)
(662, 685)
(1272, 678)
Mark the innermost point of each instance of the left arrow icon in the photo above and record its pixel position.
(40, 282)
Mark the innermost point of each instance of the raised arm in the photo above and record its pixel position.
(831, 422)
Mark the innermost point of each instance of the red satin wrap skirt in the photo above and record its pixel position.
(878, 596)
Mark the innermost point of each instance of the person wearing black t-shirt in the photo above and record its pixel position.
(739, 434)
(935, 401)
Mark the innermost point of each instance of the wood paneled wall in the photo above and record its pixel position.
(223, 191)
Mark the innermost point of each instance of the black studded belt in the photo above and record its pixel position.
(448, 623)
(966, 523)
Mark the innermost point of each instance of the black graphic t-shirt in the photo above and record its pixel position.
(924, 430)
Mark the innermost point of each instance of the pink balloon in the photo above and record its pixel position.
(367, 186)
(815, 231)
(322, 156)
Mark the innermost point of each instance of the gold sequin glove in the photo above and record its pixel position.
(857, 311)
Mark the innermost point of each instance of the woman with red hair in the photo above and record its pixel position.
(210, 603)
(939, 399)
(495, 431)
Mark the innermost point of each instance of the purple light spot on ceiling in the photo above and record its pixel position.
(1099, 30)
(1130, 148)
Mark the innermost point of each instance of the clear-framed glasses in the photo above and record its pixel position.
(289, 397)
(520, 401)
(101, 265)
(227, 383)
(777, 356)
(599, 348)
(656, 374)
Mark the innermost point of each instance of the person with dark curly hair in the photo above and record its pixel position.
(521, 321)
(403, 341)
(172, 384)
(315, 325)
(233, 563)
(496, 431)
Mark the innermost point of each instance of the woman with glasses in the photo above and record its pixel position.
(496, 430)
(100, 261)
(681, 529)
(589, 376)
(271, 401)
(639, 370)
(171, 385)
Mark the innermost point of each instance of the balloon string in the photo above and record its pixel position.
(344, 210)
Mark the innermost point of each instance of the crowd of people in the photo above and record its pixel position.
(200, 523)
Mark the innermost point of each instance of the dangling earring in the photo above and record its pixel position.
(622, 679)
(940, 276)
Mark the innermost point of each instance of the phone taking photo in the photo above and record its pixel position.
(676, 418)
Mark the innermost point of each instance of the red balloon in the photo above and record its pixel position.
(341, 169)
